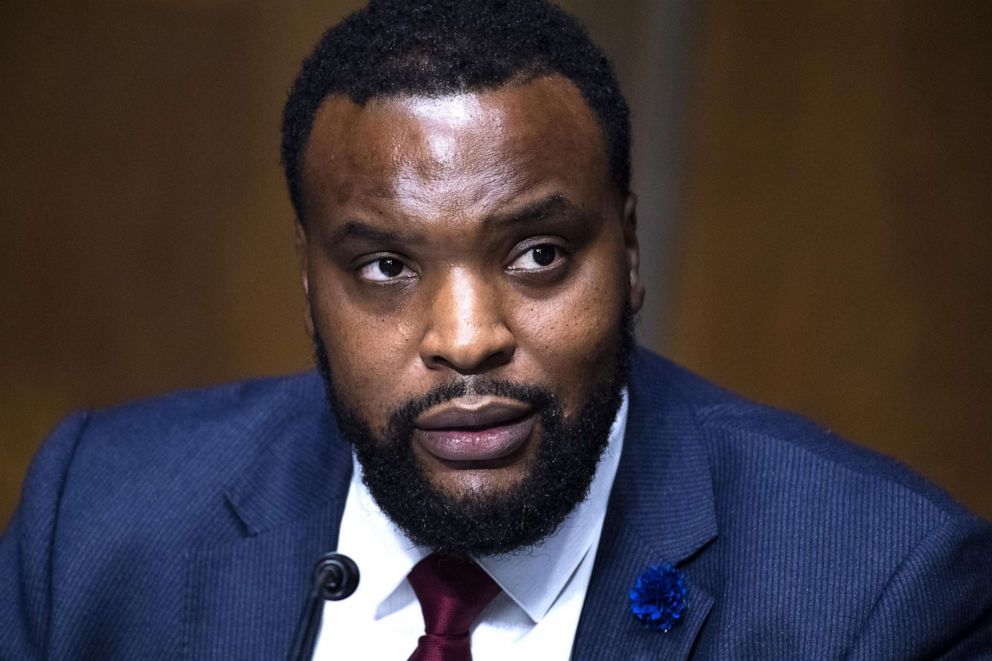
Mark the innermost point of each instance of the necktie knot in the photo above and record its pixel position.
(452, 593)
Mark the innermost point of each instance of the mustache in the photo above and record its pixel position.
(401, 420)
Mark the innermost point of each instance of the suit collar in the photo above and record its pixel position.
(664, 488)
(302, 466)
(661, 510)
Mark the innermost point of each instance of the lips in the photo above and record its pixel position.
(475, 429)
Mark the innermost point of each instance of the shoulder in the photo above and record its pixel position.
(209, 410)
(200, 427)
(113, 492)
(752, 446)
(159, 461)
(813, 528)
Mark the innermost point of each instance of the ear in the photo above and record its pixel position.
(301, 255)
(633, 252)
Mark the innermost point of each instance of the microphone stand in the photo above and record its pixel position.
(335, 577)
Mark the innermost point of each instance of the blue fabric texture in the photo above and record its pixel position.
(186, 527)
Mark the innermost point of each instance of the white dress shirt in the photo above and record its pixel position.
(534, 618)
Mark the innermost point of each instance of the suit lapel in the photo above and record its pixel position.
(607, 629)
(243, 600)
(661, 510)
(244, 595)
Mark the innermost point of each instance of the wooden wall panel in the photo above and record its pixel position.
(836, 250)
(145, 236)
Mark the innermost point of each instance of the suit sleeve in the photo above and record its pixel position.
(26, 546)
(938, 603)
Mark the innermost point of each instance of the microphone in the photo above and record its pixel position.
(335, 577)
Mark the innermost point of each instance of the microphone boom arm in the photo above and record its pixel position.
(335, 577)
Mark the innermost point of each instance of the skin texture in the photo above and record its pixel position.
(456, 192)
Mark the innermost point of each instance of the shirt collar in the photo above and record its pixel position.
(532, 577)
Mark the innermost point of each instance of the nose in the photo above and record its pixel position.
(466, 329)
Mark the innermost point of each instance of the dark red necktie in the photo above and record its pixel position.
(452, 593)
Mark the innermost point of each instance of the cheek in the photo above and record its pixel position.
(369, 351)
(572, 338)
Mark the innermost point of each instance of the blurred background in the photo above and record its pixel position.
(814, 178)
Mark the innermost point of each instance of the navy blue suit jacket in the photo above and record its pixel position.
(186, 527)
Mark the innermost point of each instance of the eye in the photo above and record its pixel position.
(385, 269)
(537, 257)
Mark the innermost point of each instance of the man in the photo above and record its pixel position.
(460, 173)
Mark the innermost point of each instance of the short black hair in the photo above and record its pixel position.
(437, 47)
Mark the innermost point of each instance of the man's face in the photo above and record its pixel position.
(468, 265)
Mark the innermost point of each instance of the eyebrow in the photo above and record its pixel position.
(354, 229)
(555, 204)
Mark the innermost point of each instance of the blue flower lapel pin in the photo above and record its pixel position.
(658, 597)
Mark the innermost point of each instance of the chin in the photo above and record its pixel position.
(478, 482)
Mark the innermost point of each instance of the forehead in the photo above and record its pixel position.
(472, 149)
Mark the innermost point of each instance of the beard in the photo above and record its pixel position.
(487, 522)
